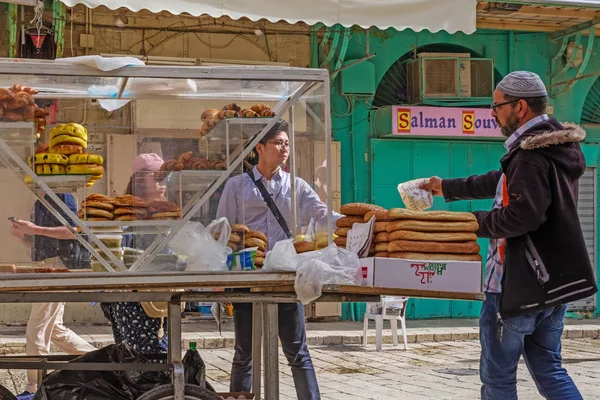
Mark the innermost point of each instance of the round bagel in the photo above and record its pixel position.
(96, 212)
(239, 228)
(340, 241)
(359, 209)
(258, 235)
(255, 242)
(99, 204)
(348, 221)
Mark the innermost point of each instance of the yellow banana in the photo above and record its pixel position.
(39, 170)
(47, 169)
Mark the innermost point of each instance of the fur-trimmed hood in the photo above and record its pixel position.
(556, 142)
(569, 134)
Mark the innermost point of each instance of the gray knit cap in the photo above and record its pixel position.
(522, 84)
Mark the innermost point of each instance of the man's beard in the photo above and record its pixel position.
(512, 124)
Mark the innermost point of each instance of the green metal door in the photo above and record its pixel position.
(398, 160)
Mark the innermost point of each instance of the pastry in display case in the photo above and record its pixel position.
(133, 199)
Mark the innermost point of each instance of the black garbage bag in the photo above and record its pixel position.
(195, 370)
(115, 385)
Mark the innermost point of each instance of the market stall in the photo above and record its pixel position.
(188, 130)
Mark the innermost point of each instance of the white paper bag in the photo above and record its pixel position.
(414, 198)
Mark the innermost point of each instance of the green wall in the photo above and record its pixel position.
(371, 168)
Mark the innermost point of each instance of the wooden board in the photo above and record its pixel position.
(370, 290)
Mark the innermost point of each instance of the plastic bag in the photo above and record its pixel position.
(414, 198)
(117, 385)
(199, 244)
(313, 274)
(283, 257)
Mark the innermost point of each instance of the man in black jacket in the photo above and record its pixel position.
(537, 259)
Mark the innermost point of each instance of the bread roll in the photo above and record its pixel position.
(380, 227)
(446, 216)
(383, 246)
(382, 254)
(348, 221)
(235, 238)
(130, 210)
(359, 209)
(340, 241)
(129, 200)
(381, 216)
(382, 237)
(432, 226)
(259, 261)
(433, 247)
(435, 256)
(433, 236)
(342, 231)
(303, 247)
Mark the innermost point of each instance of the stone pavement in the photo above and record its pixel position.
(433, 370)
(206, 335)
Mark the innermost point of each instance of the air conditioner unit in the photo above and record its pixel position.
(448, 76)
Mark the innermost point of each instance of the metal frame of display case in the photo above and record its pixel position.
(90, 287)
(169, 229)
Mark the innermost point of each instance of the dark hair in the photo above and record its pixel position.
(537, 104)
(280, 126)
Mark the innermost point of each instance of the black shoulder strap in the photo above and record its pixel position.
(271, 204)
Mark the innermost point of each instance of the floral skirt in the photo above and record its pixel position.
(132, 325)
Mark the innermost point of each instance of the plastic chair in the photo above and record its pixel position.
(386, 303)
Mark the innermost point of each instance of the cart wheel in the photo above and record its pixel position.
(6, 394)
(166, 392)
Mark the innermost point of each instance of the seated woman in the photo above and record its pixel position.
(130, 323)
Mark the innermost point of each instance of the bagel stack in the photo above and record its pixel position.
(355, 213)
(163, 210)
(381, 236)
(258, 240)
(130, 208)
(97, 207)
(432, 235)
(237, 237)
(68, 139)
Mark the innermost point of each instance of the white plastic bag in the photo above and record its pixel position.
(414, 198)
(283, 257)
(199, 244)
(313, 274)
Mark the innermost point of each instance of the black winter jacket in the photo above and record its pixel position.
(546, 262)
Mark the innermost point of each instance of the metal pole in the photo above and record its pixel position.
(271, 351)
(293, 170)
(327, 123)
(257, 318)
(174, 352)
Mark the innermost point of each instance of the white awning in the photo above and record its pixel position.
(433, 15)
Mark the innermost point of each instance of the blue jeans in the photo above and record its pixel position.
(535, 336)
(293, 340)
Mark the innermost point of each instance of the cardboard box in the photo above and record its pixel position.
(445, 276)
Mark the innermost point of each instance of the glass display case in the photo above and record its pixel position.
(129, 157)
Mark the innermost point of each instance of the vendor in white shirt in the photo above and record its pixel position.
(242, 203)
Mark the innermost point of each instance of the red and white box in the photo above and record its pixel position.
(444, 276)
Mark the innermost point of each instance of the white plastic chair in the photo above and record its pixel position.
(386, 302)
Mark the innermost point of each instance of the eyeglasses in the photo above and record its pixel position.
(280, 143)
(495, 106)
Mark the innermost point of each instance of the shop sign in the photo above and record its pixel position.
(444, 121)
